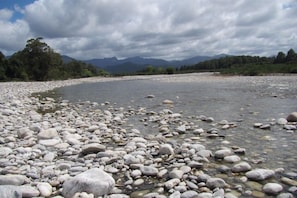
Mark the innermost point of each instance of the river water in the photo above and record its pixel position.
(241, 100)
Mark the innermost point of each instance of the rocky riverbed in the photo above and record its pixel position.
(53, 148)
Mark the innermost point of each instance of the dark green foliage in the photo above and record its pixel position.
(38, 62)
(151, 70)
(248, 65)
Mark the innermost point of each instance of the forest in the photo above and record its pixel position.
(38, 62)
(247, 65)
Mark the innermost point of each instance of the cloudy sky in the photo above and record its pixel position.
(168, 29)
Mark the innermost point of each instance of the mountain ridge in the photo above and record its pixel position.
(114, 65)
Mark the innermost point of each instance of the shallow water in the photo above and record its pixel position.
(243, 100)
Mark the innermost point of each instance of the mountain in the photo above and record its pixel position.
(67, 59)
(134, 64)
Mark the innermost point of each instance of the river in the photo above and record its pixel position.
(240, 100)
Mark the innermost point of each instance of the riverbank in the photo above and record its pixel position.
(64, 152)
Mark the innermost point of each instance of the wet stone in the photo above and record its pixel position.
(260, 174)
(272, 188)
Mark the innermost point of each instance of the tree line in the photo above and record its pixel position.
(248, 65)
(38, 62)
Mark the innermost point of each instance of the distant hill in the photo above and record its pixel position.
(134, 64)
(67, 59)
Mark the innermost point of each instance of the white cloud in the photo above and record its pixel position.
(153, 28)
(13, 35)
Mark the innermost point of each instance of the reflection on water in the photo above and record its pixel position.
(243, 102)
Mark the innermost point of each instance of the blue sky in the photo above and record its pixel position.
(12, 5)
(165, 29)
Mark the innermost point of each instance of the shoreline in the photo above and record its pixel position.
(9, 89)
(50, 154)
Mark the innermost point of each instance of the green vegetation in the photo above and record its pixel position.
(151, 70)
(248, 65)
(38, 62)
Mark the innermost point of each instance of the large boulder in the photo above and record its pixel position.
(94, 181)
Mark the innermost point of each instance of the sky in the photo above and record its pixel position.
(167, 29)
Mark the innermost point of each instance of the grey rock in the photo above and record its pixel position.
(204, 153)
(93, 128)
(232, 158)
(285, 195)
(118, 196)
(149, 170)
(166, 149)
(150, 96)
(215, 183)
(282, 121)
(45, 189)
(29, 191)
(136, 173)
(10, 191)
(206, 195)
(189, 194)
(181, 129)
(49, 142)
(176, 194)
(24, 132)
(191, 185)
(176, 174)
(48, 134)
(259, 174)
(219, 193)
(171, 183)
(138, 182)
(15, 180)
(272, 188)
(168, 102)
(222, 153)
(292, 117)
(94, 181)
(194, 164)
(241, 167)
(131, 159)
(265, 126)
(5, 151)
(92, 148)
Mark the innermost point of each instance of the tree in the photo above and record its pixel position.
(291, 55)
(39, 58)
(280, 58)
